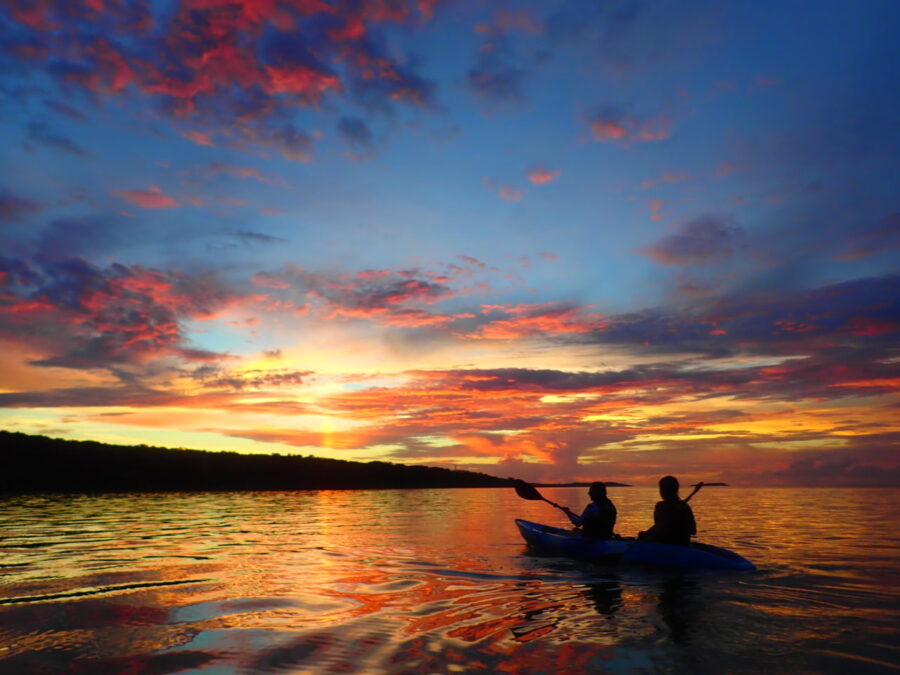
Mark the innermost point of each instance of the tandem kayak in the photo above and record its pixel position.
(559, 541)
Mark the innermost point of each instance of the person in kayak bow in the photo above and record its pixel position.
(599, 517)
(673, 519)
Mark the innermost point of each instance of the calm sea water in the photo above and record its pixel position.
(438, 581)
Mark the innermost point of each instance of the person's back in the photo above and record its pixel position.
(673, 522)
(599, 517)
(673, 519)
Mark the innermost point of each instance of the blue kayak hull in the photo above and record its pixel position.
(559, 541)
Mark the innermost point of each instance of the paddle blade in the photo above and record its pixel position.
(526, 491)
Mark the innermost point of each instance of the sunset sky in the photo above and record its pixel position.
(580, 239)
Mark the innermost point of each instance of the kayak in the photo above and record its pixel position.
(570, 543)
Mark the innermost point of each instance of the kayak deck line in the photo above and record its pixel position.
(568, 543)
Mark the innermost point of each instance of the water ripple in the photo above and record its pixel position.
(103, 590)
(435, 581)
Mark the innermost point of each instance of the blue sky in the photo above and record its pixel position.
(670, 231)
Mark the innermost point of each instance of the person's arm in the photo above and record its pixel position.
(577, 520)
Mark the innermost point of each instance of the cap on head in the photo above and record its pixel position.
(668, 487)
(597, 490)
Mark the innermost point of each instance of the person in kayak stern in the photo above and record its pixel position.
(673, 519)
(599, 517)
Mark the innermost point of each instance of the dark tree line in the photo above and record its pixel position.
(41, 464)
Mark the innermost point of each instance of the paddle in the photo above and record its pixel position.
(696, 490)
(527, 491)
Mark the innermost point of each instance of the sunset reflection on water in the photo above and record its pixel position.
(436, 581)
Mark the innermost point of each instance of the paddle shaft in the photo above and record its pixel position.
(696, 490)
(561, 508)
(527, 491)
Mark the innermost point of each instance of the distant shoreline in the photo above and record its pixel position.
(38, 464)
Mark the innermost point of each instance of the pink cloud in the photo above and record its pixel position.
(508, 20)
(388, 297)
(199, 138)
(539, 175)
(151, 198)
(516, 321)
(218, 64)
(606, 130)
(609, 124)
(88, 317)
(475, 262)
(267, 281)
(296, 79)
(511, 193)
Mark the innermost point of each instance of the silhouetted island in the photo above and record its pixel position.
(41, 464)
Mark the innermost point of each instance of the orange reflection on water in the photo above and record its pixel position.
(434, 580)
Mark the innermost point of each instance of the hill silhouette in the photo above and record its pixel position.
(42, 464)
